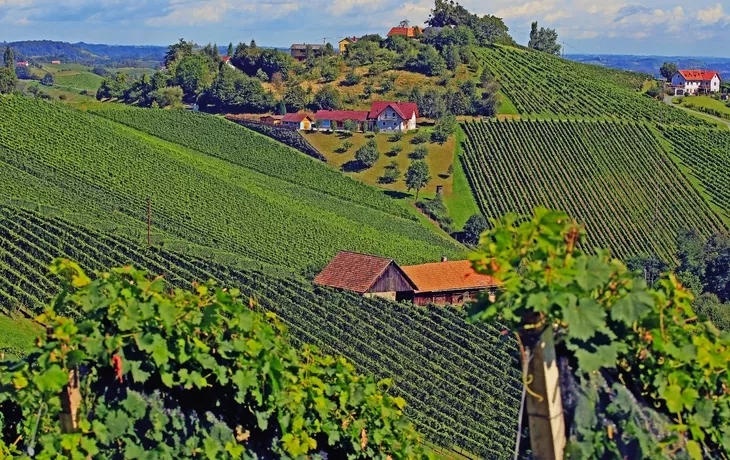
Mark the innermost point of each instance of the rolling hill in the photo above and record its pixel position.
(250, 196)
(614, 176)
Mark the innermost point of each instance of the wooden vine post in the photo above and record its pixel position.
(544, 402)
(70, 402)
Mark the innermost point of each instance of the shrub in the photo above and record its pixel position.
(436, 210)
(395, 137)
(261, 75)
(421, 137)
(395, 150)
(172, 372)
(391, 174)
(347, 145)
(351, 79)
(368, 154)
(419, 153)
(350, 126)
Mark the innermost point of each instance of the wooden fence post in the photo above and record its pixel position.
(70, 402)
(544, 403)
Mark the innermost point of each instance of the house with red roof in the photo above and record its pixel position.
(440, 283)
(22, 64)
(334, 120)
(299, 120)
(394, 116)
(409, 32)
(696, 82)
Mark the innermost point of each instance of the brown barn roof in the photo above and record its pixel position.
(447, 276)
(353, 271)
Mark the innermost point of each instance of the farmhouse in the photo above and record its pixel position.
(410, 32)
(300, 51)
(22, 64)
(334, 120)
(55, 62)
(272, 119)
(441, 283)
(298, 120)
(394, 116)
(345, 42)
(696, 82)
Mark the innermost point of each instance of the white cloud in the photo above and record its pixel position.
(711, 15)
(532, 9)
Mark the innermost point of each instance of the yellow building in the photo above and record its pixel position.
(345, 42)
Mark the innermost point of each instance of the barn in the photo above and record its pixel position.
(441, 283)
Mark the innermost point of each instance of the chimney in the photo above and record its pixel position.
(444, 259)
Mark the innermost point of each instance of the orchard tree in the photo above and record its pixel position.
(170, 96)
(368, 154)
(473, 229)
(668, 69)
(444, 128)
(47, 79)
(417, 176)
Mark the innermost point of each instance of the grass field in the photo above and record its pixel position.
(17, 334)
(706, 104)
(613, 176)
(79, 80)
(460, 380)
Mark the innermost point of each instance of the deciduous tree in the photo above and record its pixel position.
(668, 69)
(545, 40)
(417, 176)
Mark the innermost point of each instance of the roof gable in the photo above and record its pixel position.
(447, 276)
(699, 75)
(296, 117)
(405, 110)
(353, 271)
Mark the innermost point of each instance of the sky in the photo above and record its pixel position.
(648, 27)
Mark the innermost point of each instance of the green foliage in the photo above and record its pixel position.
(47, 79)
(169, 96)
(609, 320)
(350, 126)
(177, 51)
(330, 72)
(428, 61)
(436, 210)
(261, 75)
(444, 128)
(368, 154)
(545, 40)
(391, 173)
(327, 98)
(444, 367)
(8, 79)
(295, 98)
(233, 91)
(9, 58)
(396, 137)
(474, 227)
(542, 84)
(192, 75)
(585, 167)
(487, 29)
(667, 70)
(417, 176)
(352, 78)
(421, 137)
(197, 356)
(419, 153)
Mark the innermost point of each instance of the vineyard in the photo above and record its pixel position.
(79, 80)
(614, 176)
(460, 380)
(706, 152)
(75, 162)
(540, 84)
(287, 136)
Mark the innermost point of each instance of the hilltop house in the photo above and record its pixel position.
(394, 116)
(299, 120)
(696, 82)
(299, 51)
(345, 42)
(440, 283)
(410, 32)
(227, 60)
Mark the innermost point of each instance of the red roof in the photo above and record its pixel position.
(353, 271)
(405, 31)
(341, 115)
(447, 276)
(296, 117)
(225, 58)
(698, 75)
(404, 109)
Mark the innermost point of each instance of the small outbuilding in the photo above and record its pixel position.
(447, 282)
(299, 120)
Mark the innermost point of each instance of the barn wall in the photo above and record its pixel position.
(392, 280)
(445, 297)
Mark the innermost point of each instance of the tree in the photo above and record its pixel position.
(8, 80)
(235, 91)
(9, 58)
(404, 23)
(230, 50)
(47, 79)
(428, 61)
(453, 59)
(445, 127)
(352, 78)
(419, 153)
(417, 176)
(474, 227)
(329, 50)
(178, 51)
(330, 72)
(391, 173)
(545, 40)
(184, 364)
(486, 29)
(668, 69)
(281, 108)
(192, 75)
(327, 98)
(368, 154)
(350, 126)
(170, 96)
(490, 102)
(295, 98)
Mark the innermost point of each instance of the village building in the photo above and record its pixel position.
(345, 42)
(300, 51)
(334, 120)
(272, 119)
(394, 116)
(55, 62)
(696, 82)
(440, 283)
(227, 60)
(410, 32)
(299, 120)
(22, 64)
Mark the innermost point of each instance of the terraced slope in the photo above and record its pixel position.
(460, 381)
(57, 156)
(544, 85)
(706, 154)
(614, 176)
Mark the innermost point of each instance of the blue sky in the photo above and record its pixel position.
(669, 27)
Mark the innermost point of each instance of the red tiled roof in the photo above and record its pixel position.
(406, 31)
(698, 75)
(353, 271)
(296, 117)
(404, 109)
(341, 115)
(225, 58)
(447, 276)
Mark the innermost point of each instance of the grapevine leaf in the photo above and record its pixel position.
(135, 405)
(138, 374)
(689, 397)
(167, 313)
(592, 273)
(52, 379)
(585, 320)
(159, 351)
(605, 356)
(673, 396)
(538, 302)
(704, 411)
(633, 306)
(694, 450)
(117, 423)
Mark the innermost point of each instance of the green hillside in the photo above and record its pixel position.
(541, 84)
(78, 80)
(614, 176)
(706, 154)
(267, 203)
(460, 381)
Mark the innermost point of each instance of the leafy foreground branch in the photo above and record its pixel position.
(145, 372)
(630, 346)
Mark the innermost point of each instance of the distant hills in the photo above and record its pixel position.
(651, 64)
(85, 53)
